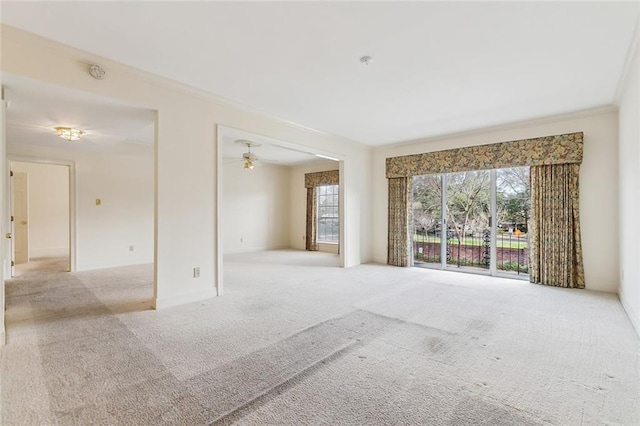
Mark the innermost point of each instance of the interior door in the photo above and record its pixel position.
(20, 188)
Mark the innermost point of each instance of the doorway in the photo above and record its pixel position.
(41, 218)
(473, 221)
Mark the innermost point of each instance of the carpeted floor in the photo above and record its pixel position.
(42, 265)
(316, 344)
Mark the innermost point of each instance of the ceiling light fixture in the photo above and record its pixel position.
(248, 157)
(69, 133)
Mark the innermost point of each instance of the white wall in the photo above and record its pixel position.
(124, 184)
(186, 157)
(298, 223)
(5, 225)
(255, 207)
(598, 184)
(48, 200)
(629, 174)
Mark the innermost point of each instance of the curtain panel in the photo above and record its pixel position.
(312, 222)
(559, 149)
(311, 182)
(329, 177)
(398, 243)
(556, 249)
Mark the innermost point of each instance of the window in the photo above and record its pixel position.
(328, 223)
(465, 205)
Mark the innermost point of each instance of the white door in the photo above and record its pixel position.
(20, 187)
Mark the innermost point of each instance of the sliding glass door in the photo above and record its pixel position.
(427, 220)
(513, 202)
(468, 214)
(474, 221)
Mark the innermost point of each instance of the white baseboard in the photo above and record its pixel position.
(254, 249)
(633, 315)
(35, 253)
(80, 267)
(183, 299)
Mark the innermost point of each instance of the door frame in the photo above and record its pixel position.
(12, 205)
(219, 175)
(72, 198)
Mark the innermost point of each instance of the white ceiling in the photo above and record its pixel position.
(35, 108)
(269, 151)
(438, 67)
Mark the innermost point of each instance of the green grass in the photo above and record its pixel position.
(504, 243)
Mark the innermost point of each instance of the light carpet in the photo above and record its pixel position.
(42, 265)
(296, 340)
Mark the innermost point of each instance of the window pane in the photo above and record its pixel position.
(328, 222)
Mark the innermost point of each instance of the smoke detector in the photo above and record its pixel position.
(97, 72)
(366, 60)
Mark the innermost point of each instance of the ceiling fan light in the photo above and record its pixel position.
(248, 157)
(69, 133)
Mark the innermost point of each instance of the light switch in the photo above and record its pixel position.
(98, 202)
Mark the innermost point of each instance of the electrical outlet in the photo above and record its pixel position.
(130, 248)
(196, 272)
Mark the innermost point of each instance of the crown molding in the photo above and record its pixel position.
(606, 109)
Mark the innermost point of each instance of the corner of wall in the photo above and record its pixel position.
(634, 317)
(631, 53)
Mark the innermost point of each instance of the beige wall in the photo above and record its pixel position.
(629, 191)
(124, 184)
(48, 212)
(186, 183)
(298, 227)
(598, 184)
(5, 225)
(255, 207)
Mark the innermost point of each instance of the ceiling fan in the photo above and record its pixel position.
(249, 157)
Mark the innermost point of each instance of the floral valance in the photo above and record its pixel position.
(329, 177)
(559, 149)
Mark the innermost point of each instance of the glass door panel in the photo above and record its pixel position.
(468, 207)
(513, 200)
(427, 220)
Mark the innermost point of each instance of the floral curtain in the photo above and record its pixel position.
(399, 245)
(556, 249)
(328, 177)
(312, 223)
(559, 149)
(311, 182)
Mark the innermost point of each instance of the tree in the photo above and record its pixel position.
(514, 197)
(468, 202)
(427, 193)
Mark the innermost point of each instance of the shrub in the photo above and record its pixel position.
(513, 266)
